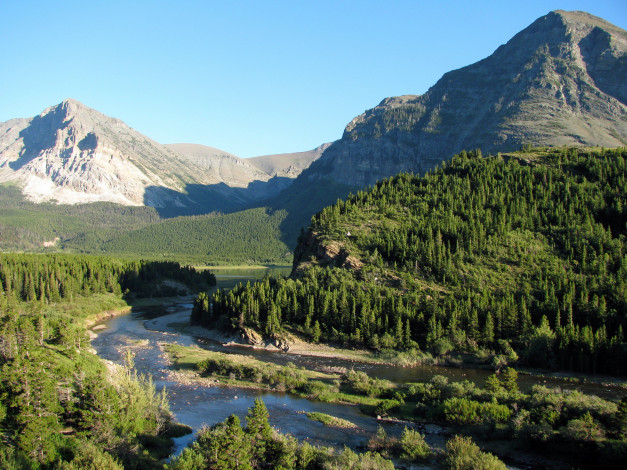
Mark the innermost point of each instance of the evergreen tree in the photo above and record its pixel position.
(509, 378)
(258, 430)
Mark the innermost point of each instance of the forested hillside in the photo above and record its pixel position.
(252, 236)
(59, 405)
(519, 255)
(25, 226)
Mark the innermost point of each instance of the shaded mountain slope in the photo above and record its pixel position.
(288, 164)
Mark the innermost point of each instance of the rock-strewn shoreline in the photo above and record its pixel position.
(178, 322)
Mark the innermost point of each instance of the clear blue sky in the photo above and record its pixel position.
(249, 77)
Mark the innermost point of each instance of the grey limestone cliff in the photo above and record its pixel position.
(561, 81)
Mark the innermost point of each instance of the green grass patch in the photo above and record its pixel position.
(235, 370)
(186, 357)
(331, 421)
(86, 308)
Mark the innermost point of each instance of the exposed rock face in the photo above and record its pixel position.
(561, 81)
(73, 154)
(331, 254)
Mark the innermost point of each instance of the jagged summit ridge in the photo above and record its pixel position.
(560, 81)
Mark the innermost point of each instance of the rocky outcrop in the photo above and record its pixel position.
(312, 249)
(251, 337)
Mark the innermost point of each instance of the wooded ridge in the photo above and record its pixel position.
(509, 256)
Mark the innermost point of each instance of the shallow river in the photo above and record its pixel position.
(197, 406)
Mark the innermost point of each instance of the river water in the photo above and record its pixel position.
(198, 406)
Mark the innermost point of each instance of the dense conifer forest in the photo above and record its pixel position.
(252, 237)
(25, 226)
(255, 236)
(509, 257)
(54, 277)
(60, 407)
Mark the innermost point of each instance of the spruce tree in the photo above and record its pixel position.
(258, 429)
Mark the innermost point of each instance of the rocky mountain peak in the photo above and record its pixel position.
(62, 125)
(71, 112)
(71, 153)
(560, 81)
(71, 106)
(581, 23)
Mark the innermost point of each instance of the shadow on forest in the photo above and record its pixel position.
(300, 198)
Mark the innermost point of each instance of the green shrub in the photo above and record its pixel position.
(313, 388)
(509, 379)
(493, 384)
(461, 411)
(384, 406)
(362, 384)
(351, 460)
(583, 429)
(190, 459)
(577, 404)
(465, 411)
(90, 457)
(463, 454)
(458, 389)
(380, 442)
(413, 446)
(441, 347)
(495, 413)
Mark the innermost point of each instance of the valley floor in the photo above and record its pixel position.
(178, 322)
(183, 367)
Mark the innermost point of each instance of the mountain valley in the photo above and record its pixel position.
(558, 82)
(444, 287)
